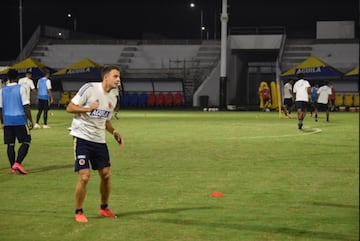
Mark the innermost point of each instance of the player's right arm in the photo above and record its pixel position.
(78, 102)
(72, 108)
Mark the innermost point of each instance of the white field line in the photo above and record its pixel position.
(303, 132)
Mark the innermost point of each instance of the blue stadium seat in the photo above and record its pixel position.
(125, 100)
(143, 99)
(134, 99)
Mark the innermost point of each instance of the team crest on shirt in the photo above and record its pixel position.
(110, 105)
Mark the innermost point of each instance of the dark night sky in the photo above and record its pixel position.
(172, 19)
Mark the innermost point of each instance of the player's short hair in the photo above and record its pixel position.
(46, 72)
(107, 68)
(13, 74)
(300, 75)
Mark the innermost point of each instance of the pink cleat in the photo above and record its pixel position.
(19, 167)
(80, 217)
(107, 213)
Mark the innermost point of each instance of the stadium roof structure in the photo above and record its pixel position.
(75, 75)
(36, 67)
(314, 69)
(83, 69)
(352, 74)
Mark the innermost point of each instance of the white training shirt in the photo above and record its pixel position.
(288, 91)
(27, 83)
(300, 89)
(91, 125)
(323, 92)
(115, 91)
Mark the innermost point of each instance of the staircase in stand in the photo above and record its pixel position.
(125, 57)
(206, 59)
(295, 52)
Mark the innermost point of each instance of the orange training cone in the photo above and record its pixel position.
(217, 194)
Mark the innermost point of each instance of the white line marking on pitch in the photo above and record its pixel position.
(306, 131)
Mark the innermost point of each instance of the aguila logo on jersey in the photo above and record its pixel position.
(100, 113)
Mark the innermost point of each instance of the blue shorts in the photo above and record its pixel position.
(87, 152)
(21, 133)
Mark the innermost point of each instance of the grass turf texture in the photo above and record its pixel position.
(279, 183)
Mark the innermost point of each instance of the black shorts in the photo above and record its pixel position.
(21, 133)
(322, 107)
(87, 152)
(288, 102)
(301, 105)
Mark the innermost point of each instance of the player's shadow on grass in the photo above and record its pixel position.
(335, 205)
(50, 168)
(262, 228)
(163, 210)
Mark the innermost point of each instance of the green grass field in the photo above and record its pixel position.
(279, 183)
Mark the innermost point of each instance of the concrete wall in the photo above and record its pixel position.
(255, 41)
(335, 30)
(210, 87)
(343, 56)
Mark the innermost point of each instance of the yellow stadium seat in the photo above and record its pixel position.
(65, 98)
(339, 99)
(356, 100)
(348, 99)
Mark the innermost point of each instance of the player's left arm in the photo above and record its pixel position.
(49, 87)
(114, 132)
(51, 96)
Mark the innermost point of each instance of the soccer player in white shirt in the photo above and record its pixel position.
(322, 103)
(302, 89)
(28, 83)
(92, 107)
(288, 97)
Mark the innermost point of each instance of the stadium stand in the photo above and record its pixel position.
(193, 62)
(189, 60)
